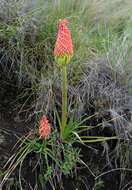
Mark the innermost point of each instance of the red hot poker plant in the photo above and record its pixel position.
(63, 52)
(44, 128)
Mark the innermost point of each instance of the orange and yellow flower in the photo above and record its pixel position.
(44, 128)
(63, 50)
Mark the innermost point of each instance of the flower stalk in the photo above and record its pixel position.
(64, 98)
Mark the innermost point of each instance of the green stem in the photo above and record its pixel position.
(64, 99)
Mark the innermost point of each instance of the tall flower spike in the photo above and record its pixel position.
(63, 50)
(44, 128)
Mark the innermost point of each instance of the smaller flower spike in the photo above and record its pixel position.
(63, 50)
(44, 128)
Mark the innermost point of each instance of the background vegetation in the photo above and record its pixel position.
(100, 77)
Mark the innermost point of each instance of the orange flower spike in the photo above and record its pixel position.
(63, 50)
(44, 128)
